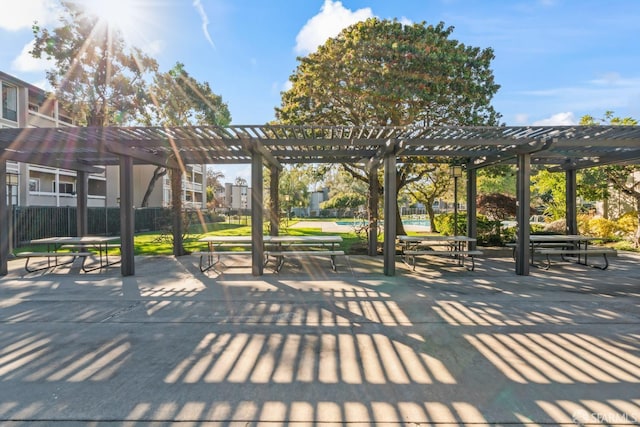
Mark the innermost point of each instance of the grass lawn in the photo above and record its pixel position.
(157, 244)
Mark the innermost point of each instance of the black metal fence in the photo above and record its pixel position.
(36, 222)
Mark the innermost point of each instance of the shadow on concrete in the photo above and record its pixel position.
(438, 346)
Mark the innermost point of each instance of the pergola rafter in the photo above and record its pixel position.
(566, 148)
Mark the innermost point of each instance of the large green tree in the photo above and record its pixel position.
(214, 185)
(384, 73)
(97, 78)
(437, 183)
(101, 81)
(177, 99)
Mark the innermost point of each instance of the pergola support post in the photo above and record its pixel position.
(374, 197)
(390, 195)
(257, 249)
(127, 217)
(274, 198)
(175, 175)
(571, 196)
(522, 214)
(4, 221)
(472, 215)
(82, 213)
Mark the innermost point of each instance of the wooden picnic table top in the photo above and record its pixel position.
(75, 240)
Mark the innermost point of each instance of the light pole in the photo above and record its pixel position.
(12, 181)
(456, 172)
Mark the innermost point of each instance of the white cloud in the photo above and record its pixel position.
(20, 15)
(521, 119)
(559, 119)
(610, 91)
(205, 21)
(406, 21)
(333, 17)
(27, 63)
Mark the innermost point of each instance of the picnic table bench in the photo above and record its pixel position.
(278, 247)
(217, 248)
(565, 245)
(79, 246)
(457, 247)
(281, 247)
(581, 253)
(52, 259)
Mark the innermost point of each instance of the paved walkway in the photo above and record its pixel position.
(441, 346)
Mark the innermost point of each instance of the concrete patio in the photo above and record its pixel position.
(438, 346)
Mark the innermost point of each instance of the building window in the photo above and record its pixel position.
(64, 188)
(10, 103)
(34, 185)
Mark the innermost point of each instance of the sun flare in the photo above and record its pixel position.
(132, 18)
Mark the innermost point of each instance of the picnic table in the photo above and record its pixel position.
(79, 247)
(567, 245)
(278, 247)
(217, 247)
(456, 247)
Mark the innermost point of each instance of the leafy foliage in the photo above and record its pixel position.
(177, 99)
(497, 206)
(489, 231)
(293, 188)
(619, 178)
(435, 184)
(98, 80)
(381, 72)
(345, 201)
(384, 73)
(497, 179)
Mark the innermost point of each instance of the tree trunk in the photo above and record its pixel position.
(399, 225)
(432, 217)
(158, 173)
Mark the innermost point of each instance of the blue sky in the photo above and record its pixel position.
(556, 60)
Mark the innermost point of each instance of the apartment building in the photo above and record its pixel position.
(25, 105)
(235, 197)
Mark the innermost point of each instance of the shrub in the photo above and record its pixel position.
(490, 232)
(497, 205)
(602, 227)
(557, 226)
(628, 223)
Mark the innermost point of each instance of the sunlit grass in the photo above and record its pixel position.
(159, 243)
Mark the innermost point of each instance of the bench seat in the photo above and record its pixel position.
(428, 252)
(217, 254)
(280, 254)
(207, 253)
(580, 252)
(543, 245)
(458, 253)
(539, 246)
(90, 245)
(48, 256)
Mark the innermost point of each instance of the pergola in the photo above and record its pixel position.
(562, 148)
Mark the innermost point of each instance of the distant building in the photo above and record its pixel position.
(235, 197)
(315, 199)
(25, 105)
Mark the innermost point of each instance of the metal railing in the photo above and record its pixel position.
(36, 222)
